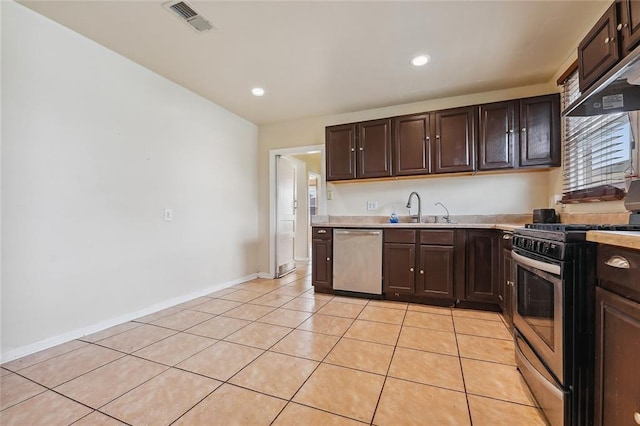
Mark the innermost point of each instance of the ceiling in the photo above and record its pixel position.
(328, 57)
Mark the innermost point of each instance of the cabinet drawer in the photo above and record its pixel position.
(322, 233)
(619, 270)
(399, 236)
(439, 237)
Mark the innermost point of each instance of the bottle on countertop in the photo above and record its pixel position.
(394, 216)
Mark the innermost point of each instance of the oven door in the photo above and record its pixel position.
(538, 313)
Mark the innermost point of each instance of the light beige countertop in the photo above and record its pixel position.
(627, 239)
(501, 226)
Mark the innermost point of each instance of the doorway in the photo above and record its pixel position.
(291, 204)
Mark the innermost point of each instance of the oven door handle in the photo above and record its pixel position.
(536, 264)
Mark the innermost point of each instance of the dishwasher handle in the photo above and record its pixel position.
(356, 232)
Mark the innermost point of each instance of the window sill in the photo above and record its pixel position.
(593, 195)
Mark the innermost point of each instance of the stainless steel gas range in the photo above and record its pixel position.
(554, 281)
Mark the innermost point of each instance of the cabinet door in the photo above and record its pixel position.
(483, 270)
(540, 131)
(412, 143)
(321, 264)
(599, 50)
(399, 268)
(629, 24)
(340, 143)
(617, 382)
(507, 286)
(454, 143)
(374, 149)
(435, 276)
(498, 135)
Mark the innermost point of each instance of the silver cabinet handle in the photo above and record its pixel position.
(524, 129)
(606, 40)
(618, 262)
(506, 237)
(322, 231)
(636, 417)
(353, 149)
(437, 136)
(500, 297)
(619, 27)
(356, 232)
(361, 149)
(411, 269)
(328, 259)
(422, 271)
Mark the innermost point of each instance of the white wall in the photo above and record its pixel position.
(93, 148)
(514, 193)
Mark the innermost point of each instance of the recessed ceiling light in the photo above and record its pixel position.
(257, 91)
(420, 60)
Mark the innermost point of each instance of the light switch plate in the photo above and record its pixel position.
(372, 205)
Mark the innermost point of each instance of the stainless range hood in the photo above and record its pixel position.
(617, 91)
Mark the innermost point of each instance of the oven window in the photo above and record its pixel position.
(535, 303)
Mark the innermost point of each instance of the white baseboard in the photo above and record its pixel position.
(266, 275)
(102, 325)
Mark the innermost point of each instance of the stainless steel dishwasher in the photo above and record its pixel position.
(357, 260)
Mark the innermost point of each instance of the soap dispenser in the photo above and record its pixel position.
(394, 216)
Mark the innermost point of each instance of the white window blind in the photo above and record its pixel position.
(597, 150)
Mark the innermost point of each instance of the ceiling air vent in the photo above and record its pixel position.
(188, 14)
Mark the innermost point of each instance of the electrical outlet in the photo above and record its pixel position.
(372, 205)
(329, 195)
(168, 215)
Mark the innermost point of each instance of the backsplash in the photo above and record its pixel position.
(595, 218)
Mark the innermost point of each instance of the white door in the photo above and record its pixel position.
(286, 205)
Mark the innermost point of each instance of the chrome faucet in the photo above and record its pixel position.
(446, 218)
(418, 217)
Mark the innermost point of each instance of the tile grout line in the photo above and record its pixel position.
(464, 382)
(384, 382)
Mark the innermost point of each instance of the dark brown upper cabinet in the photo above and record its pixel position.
(412, 144)
(600, 49)
(499, 135)
(340, 144)
(540, 131)
(454, 142)
(629, 24)
(359, 150)
(374, 149)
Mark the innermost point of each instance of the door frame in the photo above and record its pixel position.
(322, 206)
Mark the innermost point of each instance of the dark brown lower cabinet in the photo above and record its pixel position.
(483, 269)
(617, 382)
(322, 259)
(399, 268)
(435, 276)
(431, 250)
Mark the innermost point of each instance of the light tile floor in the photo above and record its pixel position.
(273, 352)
